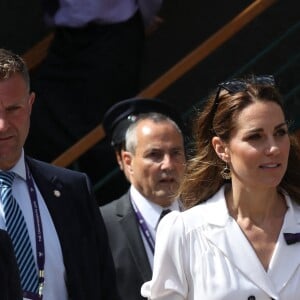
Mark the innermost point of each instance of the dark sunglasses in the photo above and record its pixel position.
(239, 85)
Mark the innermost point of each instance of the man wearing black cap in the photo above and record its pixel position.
(147, 138)
(121, 115)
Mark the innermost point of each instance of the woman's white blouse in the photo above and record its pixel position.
(202, 254)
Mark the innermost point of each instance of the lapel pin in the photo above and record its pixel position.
(56, 193)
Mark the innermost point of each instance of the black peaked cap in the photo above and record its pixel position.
(118, 118)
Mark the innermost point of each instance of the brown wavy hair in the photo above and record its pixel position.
(218, 118)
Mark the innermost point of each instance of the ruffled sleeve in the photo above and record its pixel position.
(169, 275)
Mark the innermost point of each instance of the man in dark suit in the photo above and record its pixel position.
(71, 255)
(10, 288)
(152, 158)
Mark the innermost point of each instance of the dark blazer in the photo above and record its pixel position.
(10, 288)
(129, 254)
(81, 231)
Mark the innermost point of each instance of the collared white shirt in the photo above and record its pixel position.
(202, 253)
(77, 13)
(151, 213)
(55, 287)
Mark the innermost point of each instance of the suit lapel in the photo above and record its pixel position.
(130, 226)
(226, 235)
(52, 191)
(49, 186)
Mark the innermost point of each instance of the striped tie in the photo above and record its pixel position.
(17, 229)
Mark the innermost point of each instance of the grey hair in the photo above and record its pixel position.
(11, 63)
(131, 137)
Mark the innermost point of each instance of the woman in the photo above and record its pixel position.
(238, 243)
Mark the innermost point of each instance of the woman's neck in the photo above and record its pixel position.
(255, 205)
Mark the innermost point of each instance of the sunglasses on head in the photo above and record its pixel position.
(239, 85)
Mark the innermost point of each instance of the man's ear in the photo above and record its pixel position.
(31, 101)
(127, 160)
(119, 160)
(220, 148)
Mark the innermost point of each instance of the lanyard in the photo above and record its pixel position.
(39, 238)
(145, 230)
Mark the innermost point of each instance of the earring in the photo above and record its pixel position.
(226, 173)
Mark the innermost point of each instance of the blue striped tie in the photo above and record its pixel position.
(17, 229)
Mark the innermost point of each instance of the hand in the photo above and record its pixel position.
(157, 21)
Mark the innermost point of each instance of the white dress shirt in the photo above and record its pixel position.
(77, 13)
(55, 285)
(151, 213)
(203, 254)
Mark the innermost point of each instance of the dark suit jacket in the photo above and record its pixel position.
(10, 288)
(129, 254)
(81, 232)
